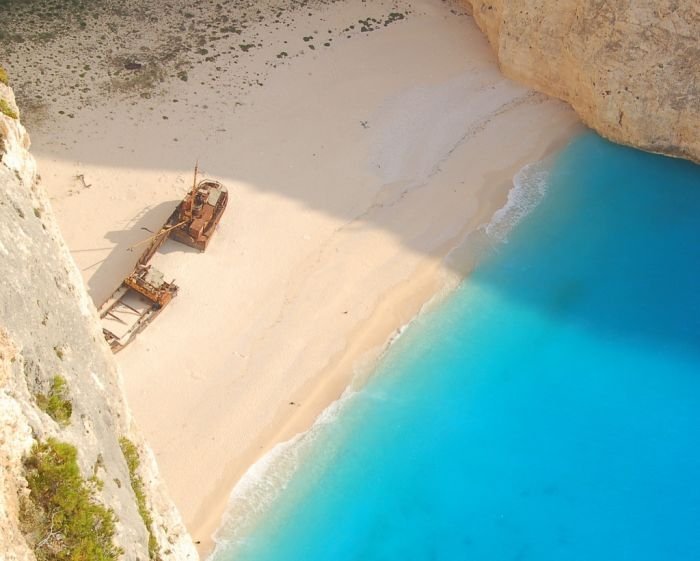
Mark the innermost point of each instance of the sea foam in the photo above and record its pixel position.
(266, 479)
(529, 188)
(549, 400)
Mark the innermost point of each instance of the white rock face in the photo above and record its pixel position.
(630, 68)
(49, 327)
(15, 441)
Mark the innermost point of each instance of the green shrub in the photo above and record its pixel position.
(4, 78)
(133, 461)
(7, 110)
(56, 403)
(61, 518)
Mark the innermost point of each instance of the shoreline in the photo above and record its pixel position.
(369, 341)
(354, 172)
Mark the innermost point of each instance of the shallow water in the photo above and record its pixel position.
(549, 409)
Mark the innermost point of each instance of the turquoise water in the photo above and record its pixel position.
(548, 410)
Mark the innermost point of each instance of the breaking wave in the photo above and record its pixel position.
(265, 480)
(268, 477)
(529, 188)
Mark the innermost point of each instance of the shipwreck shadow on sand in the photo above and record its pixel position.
(111, 269)
(172, 246)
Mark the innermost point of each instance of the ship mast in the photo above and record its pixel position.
(194, 181)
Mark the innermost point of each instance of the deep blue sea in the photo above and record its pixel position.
(548, 410)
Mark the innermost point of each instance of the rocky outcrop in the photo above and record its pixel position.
(630, 68)
(49, 328)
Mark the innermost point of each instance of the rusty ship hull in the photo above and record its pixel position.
(194, 220)
(135, 304)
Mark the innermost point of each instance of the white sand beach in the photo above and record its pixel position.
(353, 169)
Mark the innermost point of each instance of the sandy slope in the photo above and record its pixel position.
(354, 168)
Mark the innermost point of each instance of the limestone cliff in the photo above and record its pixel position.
(49, 329)
(630, 68)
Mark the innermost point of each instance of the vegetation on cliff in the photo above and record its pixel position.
(133, 461)
(61, 518)
(6, 109)
(56, 403)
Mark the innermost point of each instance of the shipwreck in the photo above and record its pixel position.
(145, 292)
(195, 219)
(138, 300)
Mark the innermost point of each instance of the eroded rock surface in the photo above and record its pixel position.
(630, 68)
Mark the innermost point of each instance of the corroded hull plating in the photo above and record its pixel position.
(194, 225)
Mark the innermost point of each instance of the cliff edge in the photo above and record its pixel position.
(630, 69)
(75, 475)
